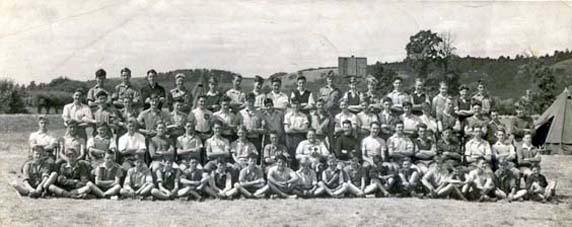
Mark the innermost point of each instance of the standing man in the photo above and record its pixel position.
(252, 120)
(78, 112)
(181, 94)
(398, 96)
(279, 98)
(520, 124)
(330, 94)
(483, 97)
(236, 95)
(43, 138)
(125, 90)
(150, 117)
(440, 100)
(213, 97)
(304, 96)
(296, 125)
(100, 75)
(259, 97)
(419, 97)
(152, 88)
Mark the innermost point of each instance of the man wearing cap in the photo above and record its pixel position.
(259, 97)
(279, 98)
(152, 88)
(304, 96)
(149, 118)
(352, 96)
(43, 138)
(236, 95)
(180, 93)
(78, 112)
(330, 94)
(125, 90)
(398, 96)
(100, 76)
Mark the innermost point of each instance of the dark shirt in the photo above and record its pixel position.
(347, 147)
(68, 174)
(147, 91)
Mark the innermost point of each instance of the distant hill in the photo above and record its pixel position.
(501, 74)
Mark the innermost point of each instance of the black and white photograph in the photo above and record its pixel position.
(285, 113)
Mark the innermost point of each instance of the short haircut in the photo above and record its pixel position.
(463, 87)
(100, 73)
(38, 148)
(301, 78)
(225, 99)
(397, 78)
(374, 123)
(347, 122)
(258, 79)
(151, 71)
(101, 93)
(126, 70)
(80, 90)
(250, 96)
(280, 157)
(276, 80)
(101, 125)
(43, 118)
(407, 103)
(387, 99)
(476, 103)
(501, 130)
(295, 100)
(252, 156)
(217, 122)
(399, 122)
(421, 125)
(235, 76)
(201, 97)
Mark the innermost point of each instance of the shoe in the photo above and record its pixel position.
(114, 197)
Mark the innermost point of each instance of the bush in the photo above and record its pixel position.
(11, 98)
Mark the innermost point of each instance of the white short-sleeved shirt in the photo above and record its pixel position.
(42, 139)
(296, 120)
(341, 117)
(202, 119)
(280, 100)
(135, 141)
(373, 146)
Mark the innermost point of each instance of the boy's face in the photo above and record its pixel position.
(212, 85)
(446, 133)
(102, 131)
(347, 128)
(519, 112)
(236, 81)
(241, 134)
(257, 85)
(72, 129)
(301, 83)
(154, 103)
(477, 109)
(202, 102)
(375, 129)
(295, 106)
(535, 170)
(189, 127)
(125, 76)
(406, 164)
(419, 85)
(101, 100)
(281, 163)
(225, 105)
(38, 154)
(177, 106)
(399, 128)
(131, 126)
(443, 89)
(161, 129)
(463, 92)
(251, 163)
(77, 96)
(364, 106)
(311, 135)
(370, 86)
(151, 78)
(343, 105)
(481, 88)
(127, 101)
(43, 124)
(407, 109)
(319, 105)
(139, 163)
(421, 131)
(100, 80)
(332, 163)
(355, 162)
(352, 86)
(329, 80)
(274, 139)
(216, 129)
(168, 165)
(386, 105)
(71, 156)
(527, 139)
(276, 86)
(483, 164)
(494, 115)
(108, 159)
(477, 133)
(193, 164)
(500, 135)
(179, 82)
(397, 84)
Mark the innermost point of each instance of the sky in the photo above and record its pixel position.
(41, 40)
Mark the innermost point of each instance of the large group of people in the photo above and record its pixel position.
(150, 143)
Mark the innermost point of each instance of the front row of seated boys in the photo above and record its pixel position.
(75, 178)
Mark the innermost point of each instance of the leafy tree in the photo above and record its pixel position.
(384, 77)
(542, 77)
(11, 98)
(424, 49)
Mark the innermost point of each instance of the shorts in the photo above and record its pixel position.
(254, 188)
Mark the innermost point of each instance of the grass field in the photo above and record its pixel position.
(17, 211)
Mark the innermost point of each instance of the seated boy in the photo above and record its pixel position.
(138, 181)
(439, 181)
(189, 146)
(108, 177)
(480, 182)
(537, 186)
(217, 146)
(356, 177)
(273, 149)
(251, 181)
(242, 148)
(74, 177)
(426, 149)
(507, 182)
(167, 181)
(381, 177)
(161, 147)
(333, 180)
(131, 144)
(409, 178)
(98, 145)
(193, 181)
(281, 179)
(307, 180)
(220, 180)
(38, 174)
